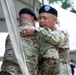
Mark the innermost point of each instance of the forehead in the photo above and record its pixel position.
(45, 15)
(48, 15)
(25, 15)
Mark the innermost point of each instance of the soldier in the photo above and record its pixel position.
(59, 38)
(51, 41)
(30, 48)
(63, 48)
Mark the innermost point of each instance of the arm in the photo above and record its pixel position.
(26, 29)
(56, 37)
(9, 52)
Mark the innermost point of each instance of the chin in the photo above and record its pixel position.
(43, 27)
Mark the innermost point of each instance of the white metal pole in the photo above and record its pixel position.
(34, 6)
(12, 25)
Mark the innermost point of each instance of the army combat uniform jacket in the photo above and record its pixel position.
(59, 43)
(38, 50)
(30, 50)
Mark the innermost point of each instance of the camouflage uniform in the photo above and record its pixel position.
(48, 58)
(30, 49)
(64, 57)
(46, 47)
(10, 64)
(59, 42)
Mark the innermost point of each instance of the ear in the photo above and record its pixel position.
(33, 19)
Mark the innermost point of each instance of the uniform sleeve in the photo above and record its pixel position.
(9, 54)
(56, 37)
(24, 25)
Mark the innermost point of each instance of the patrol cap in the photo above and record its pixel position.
(27, 11)
(48, 9)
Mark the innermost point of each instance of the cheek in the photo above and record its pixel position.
(47, 23)
(49, 26)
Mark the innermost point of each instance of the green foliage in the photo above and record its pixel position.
(73, 10)
(66, 4)
(52, 1)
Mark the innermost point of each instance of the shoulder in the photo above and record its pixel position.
(8, 40)
(62, 31)
(8, 37)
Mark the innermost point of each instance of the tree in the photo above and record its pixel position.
(65, 4)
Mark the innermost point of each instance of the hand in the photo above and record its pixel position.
(27, 31)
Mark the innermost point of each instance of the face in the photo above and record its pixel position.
(47, 20)
(24, 18)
